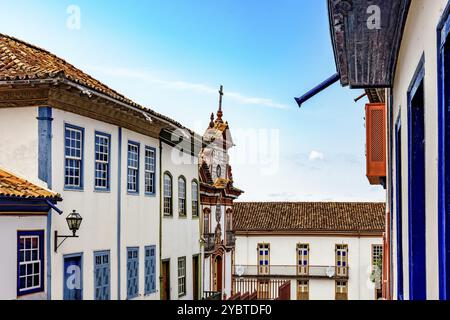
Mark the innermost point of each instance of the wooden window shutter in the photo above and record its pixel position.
(376, 143)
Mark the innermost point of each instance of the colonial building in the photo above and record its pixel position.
(108, 158)
(181, 258)
(217, 194)
(398, 51)
(323, 251)
(24, 208)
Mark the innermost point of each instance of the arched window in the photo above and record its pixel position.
(167, 194)
(182, 196)
(194, 187)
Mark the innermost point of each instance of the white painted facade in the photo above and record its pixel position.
(9, 226)
(181, 234)
(139, 213)
(419, 39)
(283, 252)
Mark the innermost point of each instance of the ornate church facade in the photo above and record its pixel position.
(217, 194)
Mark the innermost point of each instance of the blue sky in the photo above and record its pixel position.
(172, 56)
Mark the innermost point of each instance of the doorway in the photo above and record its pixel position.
(195, 277)
(73, 277)
(218, 274)
(416, 186)
(165, 286)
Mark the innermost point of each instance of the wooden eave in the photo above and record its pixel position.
(65, 97)
(366, 58)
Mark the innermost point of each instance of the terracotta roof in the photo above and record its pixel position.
(22, 61)
(12, 185)
(309, 216)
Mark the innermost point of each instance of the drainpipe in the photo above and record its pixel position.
(45, 119)
(160, 218)
(119, 207)
(331, 80)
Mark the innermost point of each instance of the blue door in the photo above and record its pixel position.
(398, 199)
(102, 276)
(150, 270)
(73, 277)
(132, 273)
(416, 141)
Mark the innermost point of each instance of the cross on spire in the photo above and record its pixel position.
(220, 113)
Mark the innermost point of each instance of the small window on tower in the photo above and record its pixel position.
(219, 171)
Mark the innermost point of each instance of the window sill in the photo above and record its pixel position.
(150, 195)
(102, 190)
(131, 193)
(74, 189)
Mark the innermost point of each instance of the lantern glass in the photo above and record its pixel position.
(74, 221)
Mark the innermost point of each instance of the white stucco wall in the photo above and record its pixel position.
(322, 253)
(139, 213)
(420, 38)
(19, 141)
(8, 249)
(181, 235)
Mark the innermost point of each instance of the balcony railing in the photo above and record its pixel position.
(324, 272)
(231, 239)
(212, 295)
(210, 242)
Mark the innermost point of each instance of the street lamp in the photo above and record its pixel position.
(73, 221)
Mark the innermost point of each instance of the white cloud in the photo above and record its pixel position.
(183, 85)
(316, 155)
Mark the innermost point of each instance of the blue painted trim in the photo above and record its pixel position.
(442, 31)
(119, 213)
(151, 194)
(40, 234)
(74, 255)
(81, 187)
(60, 212)
(399, 208)
(45, 119)
(132, 192)
(328, 82)
(105, 135)
(417, 251)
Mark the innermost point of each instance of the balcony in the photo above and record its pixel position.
(231, 239)
(291, 272)
(210, 242)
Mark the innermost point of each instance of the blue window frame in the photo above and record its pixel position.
(150, 171)
(73, 153)
(398, 199)
(133, 167)
(102, 276)
(150, 269)
(102, 161)
(443, 48)
(30, 262)
(416, 185)
(132, 273)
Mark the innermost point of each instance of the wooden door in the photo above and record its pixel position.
(165, 290)
(195, 277)
(218, 274)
